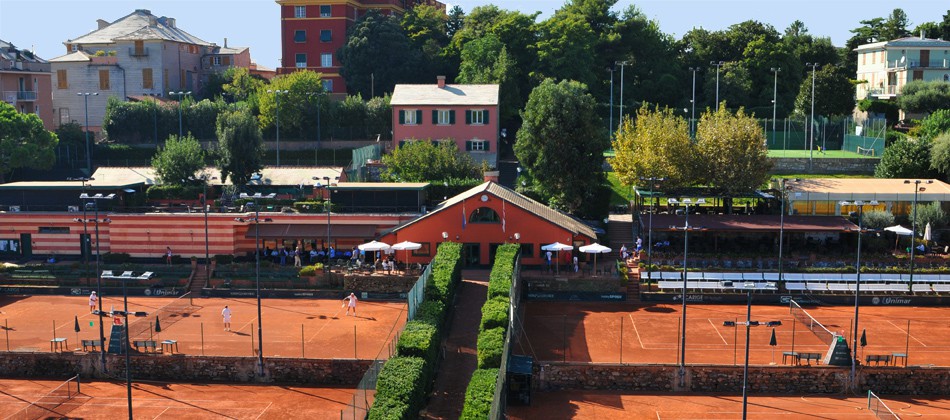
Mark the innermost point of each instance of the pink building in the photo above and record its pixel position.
(25, 83)
(464, 114)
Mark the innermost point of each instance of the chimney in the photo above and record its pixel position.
(170, 22)
(101, 23)
(923, 34)
(440, 81)
(225, 42)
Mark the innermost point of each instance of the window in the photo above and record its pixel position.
(425, 251)
(301, 60)
(54, 229)
(326, 35)
(410, 117)
(527, 250)
(300, 36)
(139, 48)
(946, 78)
(484, 215)
(327, 85)
(443, 117)
(326, 60)
(104, 79)
(476, 117)
(300, 11)
(64, 115)
(61, 82)
(146, 78)
(476, 145)
(325, 12)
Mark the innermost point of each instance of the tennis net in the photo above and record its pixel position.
(811, 323)
(167, 315)
(48, 406)
(880, 410)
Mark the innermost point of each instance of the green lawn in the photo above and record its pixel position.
(621, 194)
(818, 155)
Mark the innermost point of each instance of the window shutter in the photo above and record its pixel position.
(468, 117)
(226, 61)
(485, 115)
(402, 120)
(419, 116)
(468, 145)
(435, 116)
(452, 117)
(487, 144)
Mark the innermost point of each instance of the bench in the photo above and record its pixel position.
(878, 359)
(794, 355)
(150, 346)
(93, 344)
(808, 357)
(58, 344)
(895, 356)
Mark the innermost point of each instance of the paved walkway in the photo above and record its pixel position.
(448, 394)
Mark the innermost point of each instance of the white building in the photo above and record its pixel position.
(889, 65)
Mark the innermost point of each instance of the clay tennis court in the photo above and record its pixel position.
(612, 405)
(311, 328)
(638, 333)
(157, 400)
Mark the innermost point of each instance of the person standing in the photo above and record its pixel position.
(168, 255)
(350, 303)
(226, 315)
(297, 253)
(547, 259)
(93, 300)
(575, 263)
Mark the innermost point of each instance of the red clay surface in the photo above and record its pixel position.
(640, 333)
(161, 400)
(310, 328)
(610, 405)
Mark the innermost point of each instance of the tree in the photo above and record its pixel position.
(377, 55)
(654, 145)
(561, 144)
(934, 125)
(423, 161)
(929, 213)
(924, 97)
(905, 158)
(240, 145)
(425, 26)
(731, 151)
(940, 155)
(177, 162)
(486, 60)
(877, 219)
(455, 21)
(298, 111)
(243, 87)
(24, 143)
(834, 93)
(565, 48)
(657, 75)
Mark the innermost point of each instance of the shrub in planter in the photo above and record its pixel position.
(311, 270)
(479, 394)
(401, 380)
(115, 258)
(431, 311)
(222, 259)
(494, 314)
(419, 339)
(491, 344)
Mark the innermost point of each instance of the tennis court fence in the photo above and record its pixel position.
(879, 409)
(51, 404)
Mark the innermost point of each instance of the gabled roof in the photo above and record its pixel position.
(449, 95)
(76, 57)
(906, 42)
(139, 25)
(518, 200)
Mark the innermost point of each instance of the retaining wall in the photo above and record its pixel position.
(185, 368)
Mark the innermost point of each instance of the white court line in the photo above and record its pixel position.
(717, 332)
(905, 332)
(265, 409)
(635, 330)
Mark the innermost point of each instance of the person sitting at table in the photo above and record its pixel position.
(313, 255)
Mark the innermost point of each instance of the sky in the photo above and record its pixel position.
(44, 25)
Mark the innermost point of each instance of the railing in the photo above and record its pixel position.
(21, 95)
(913, 64)
(886, 90)
(138, 52)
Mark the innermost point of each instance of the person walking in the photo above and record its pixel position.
(93, 300)
(350, 303)
(226, 315)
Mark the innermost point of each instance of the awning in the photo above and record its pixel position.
(304, 231)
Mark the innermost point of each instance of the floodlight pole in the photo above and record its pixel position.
(718, 64)
(745, 367)
(94, 200)
(774, 100)
(610, 126)
(857, 286)
(686, 202)
(811, 143)
(257, 273)
(913, 224)
(620, 123)
(692, 115)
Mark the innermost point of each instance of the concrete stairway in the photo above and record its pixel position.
(199, 279)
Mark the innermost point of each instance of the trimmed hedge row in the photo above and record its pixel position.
(479, 394)
(499, 281)
(491, 345)
(495, 313)
(400, 389)
(418, 346)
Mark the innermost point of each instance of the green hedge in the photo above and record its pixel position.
(311, 270)
(480, 394)
(491, 344)
(499, 281)
(419, 339)
(432, 312)
(174, 192)
(494, 314)
(401, 381)
(446, 272)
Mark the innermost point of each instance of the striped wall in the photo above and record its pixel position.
(145, 235)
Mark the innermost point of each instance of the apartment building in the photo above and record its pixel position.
(889, 65)
(25, 83)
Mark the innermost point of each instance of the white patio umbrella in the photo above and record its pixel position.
(406, 246)
(557, 247)
(374, 246)
(900, 231)
(595, 249)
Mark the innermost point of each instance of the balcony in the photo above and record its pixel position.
(19, 95)
(138, 52)
(886, 91)
(917, 64)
